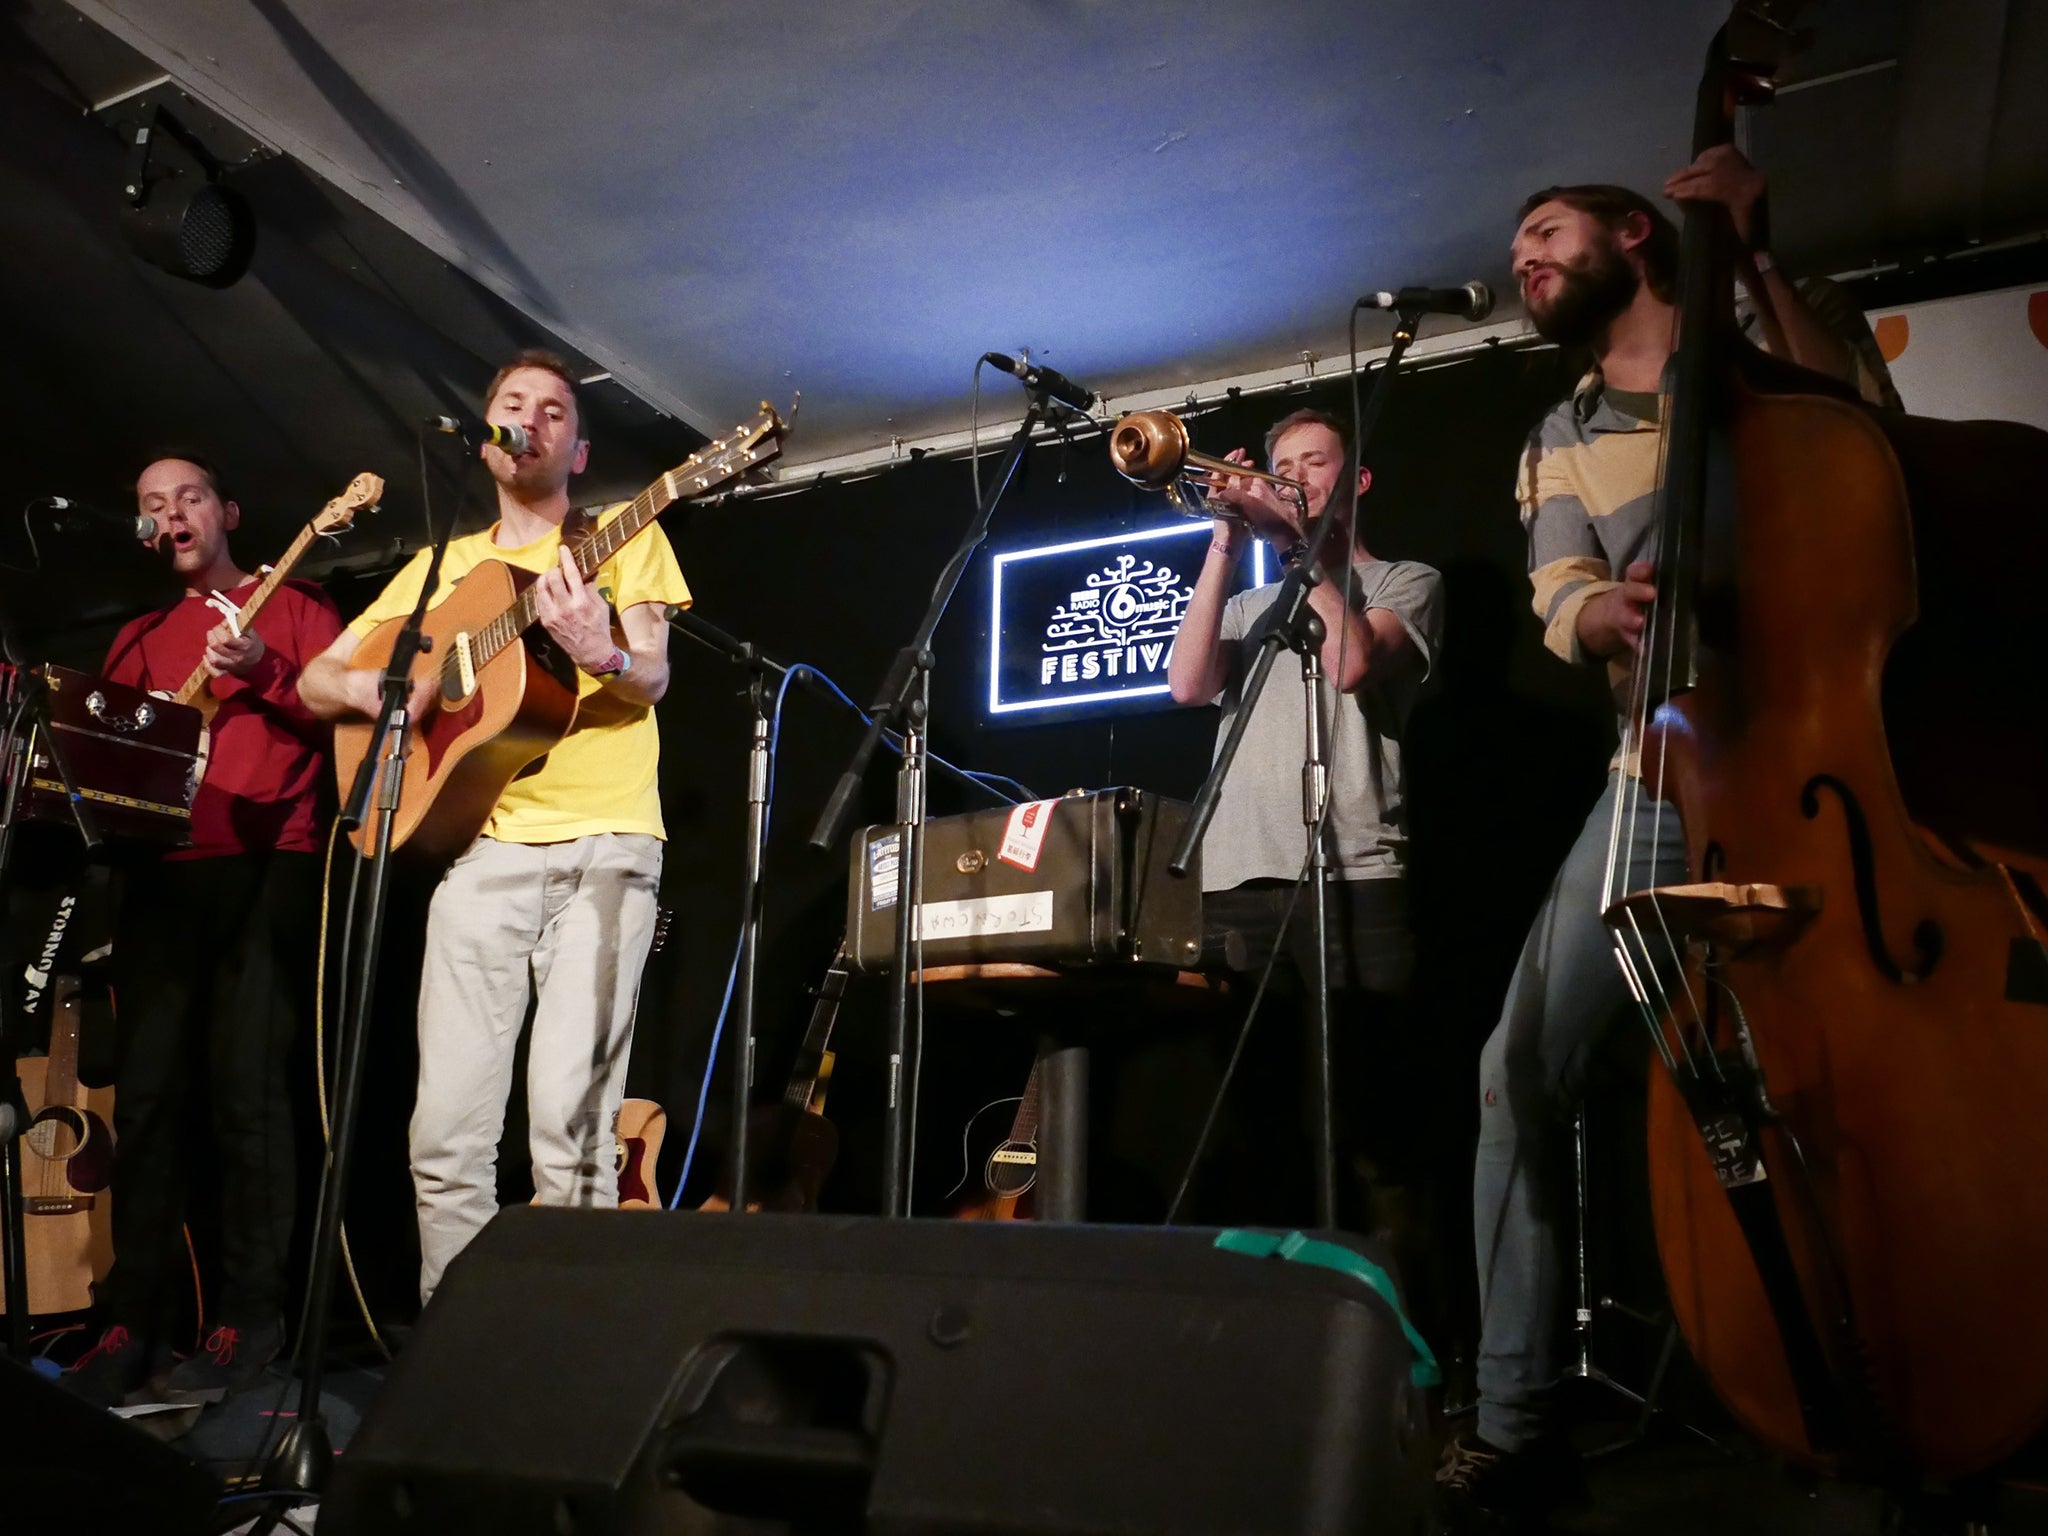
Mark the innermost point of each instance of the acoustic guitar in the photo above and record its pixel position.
(68, 1159)
(642, 1124)
(791, 1146)
(366, 490)
(1010, 1168)
(505, 692)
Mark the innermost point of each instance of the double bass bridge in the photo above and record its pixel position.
(1740, 918)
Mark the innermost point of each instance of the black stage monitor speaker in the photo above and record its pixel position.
(598, 1373)
(67, 1466)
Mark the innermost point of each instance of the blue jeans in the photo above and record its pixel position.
(1566, 996)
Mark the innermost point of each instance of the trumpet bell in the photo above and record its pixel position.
(1150, 448)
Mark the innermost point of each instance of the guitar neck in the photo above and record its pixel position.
(272, 580)
(60, 1076)
(752, 443)
(1025, 1127)
(589, 553)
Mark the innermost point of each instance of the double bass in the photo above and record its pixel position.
(1848, 1157)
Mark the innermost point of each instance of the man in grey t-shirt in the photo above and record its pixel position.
(1382, 627)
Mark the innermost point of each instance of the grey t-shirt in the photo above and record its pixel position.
(1258, 831)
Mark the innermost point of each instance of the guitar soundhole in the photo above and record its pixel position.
(57, 1134)
(1012, 1169)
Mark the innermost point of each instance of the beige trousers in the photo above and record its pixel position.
(563, 928)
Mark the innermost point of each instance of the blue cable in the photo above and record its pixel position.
(732, 973)
(986, 780)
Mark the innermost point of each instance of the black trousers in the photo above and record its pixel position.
(214, 966)
(1263, 1165)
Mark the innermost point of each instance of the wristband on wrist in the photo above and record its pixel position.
(618, 664)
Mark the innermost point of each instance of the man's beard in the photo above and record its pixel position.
(1587, 296)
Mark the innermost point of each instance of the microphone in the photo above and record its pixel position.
(1053, 385)
(76, 513)
(477, 433)
(1474, 301)
(704, 632)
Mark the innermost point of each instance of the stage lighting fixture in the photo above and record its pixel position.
(179, 216)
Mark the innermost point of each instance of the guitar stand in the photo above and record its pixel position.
(1583, 1366)
(31, 709)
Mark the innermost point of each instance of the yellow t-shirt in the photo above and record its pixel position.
(601, 776)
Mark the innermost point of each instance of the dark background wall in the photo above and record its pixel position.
(271, 378)
(1506, 749)
(1505, 752)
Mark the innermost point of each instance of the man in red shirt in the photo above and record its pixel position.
(214, 958)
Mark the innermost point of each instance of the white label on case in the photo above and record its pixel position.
(980, 916)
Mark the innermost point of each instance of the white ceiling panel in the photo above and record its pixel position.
(722, 201)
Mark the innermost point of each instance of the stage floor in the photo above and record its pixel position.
(1671, 1483)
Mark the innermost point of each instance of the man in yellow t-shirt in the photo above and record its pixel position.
(553, 905)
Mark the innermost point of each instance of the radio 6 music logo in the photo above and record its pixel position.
(1119, 625)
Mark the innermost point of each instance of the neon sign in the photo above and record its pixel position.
(1089, 624)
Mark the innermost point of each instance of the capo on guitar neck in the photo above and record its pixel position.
(228, 609)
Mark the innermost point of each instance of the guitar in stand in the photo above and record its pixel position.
(791, 1146)
(642, 1124)
(66, 1207)
(506, 694)
(1010, 1168)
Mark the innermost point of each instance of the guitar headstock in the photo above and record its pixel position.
(366, 490)
(752, 443)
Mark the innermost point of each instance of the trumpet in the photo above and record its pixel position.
(1151, 448)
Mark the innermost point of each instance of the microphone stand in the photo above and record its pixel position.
(1296, 627)
(760, 669)
(905, 700)
(31, 709)
(305, 1455)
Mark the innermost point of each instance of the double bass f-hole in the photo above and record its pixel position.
(1927, 939)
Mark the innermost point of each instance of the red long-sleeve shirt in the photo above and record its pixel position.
(268, 754)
